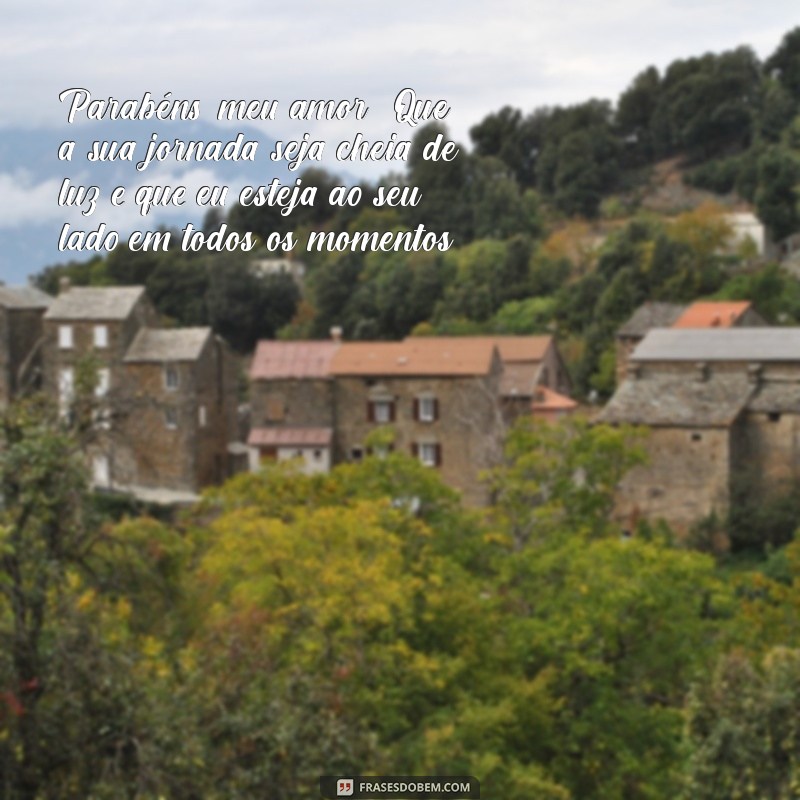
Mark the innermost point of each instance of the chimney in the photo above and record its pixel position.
(754, 373)
(336, 333)
(702, 371)
(63, 284)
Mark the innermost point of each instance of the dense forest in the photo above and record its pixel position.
(363, 621)
(526, 206)
(294, 626)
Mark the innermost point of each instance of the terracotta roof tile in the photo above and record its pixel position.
(416, 356)
(711, 315)
(546, 399)
(511, 348)
(273, 360)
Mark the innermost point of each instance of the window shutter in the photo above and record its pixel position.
(391, 411)
(416, 409)
(435, 408)
(415, 449)
(438, 455)
(370, 412)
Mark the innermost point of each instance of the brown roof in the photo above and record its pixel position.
(167, 344)
(292, 360)
(547, 400)
(416, 356)
(711, 315)
(290, 437)
(511, 348)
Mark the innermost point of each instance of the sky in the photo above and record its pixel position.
(476, 56)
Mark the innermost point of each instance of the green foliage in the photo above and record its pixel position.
(743, 729)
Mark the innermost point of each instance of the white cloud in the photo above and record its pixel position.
(23, 201)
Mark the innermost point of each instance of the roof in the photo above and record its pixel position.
(679, 400)
(518, 380)
(95, 302)
(711, 315)
(167, 344)
(416, 356)
(24, 297)
(546, 399)
(511, 348)
(292, 360)
(775, 397)
(713, 344)
(290, 437)
(651, 315)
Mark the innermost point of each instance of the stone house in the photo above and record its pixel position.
(165, 399)
(702, 314)
(722, 407)
(441, 397)
(448, 399)
(292, 411)
(21, 338)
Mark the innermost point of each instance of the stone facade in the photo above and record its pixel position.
(165, 398)
(723, 412)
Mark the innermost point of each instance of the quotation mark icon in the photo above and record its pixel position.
(344, 787)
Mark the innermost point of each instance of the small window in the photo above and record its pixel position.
(103, 383)
(381, 411)
(171, 377)
(774, 416)
(318, 455)
(171, 417)
(429, 454)
(65, 337)
(66, 389)
(427, 410)
(356, 453)
(202, 417)
(101, 336)
(696, 437)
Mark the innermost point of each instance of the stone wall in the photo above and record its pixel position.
(468, 430)
(686, 478)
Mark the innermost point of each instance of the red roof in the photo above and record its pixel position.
(511, 348)
(290, 437)
(292, 360)
(545, 399)
(711, 314)
(416, 356)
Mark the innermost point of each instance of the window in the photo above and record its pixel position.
(202, 417)
(65, 337)
(66, 389)
(318, 455)
(697, 437)
(429, 453)
(426, 409)
(356, 453)
(100, 336)
(774, 416)
(380, 411)
(101, 473)
(171, 417)
(103, 383)
(171, 377)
